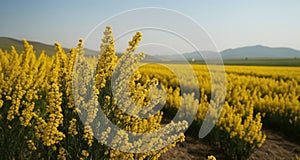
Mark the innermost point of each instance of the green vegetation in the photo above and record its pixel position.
(261, 62)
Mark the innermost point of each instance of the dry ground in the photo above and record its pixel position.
(276, 146)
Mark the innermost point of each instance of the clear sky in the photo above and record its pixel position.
(231, 24)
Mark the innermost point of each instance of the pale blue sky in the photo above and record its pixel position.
(231, 24)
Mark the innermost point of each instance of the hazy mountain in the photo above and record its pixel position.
(249, 52)
(259, 51)
(196, 56)
(201, 55)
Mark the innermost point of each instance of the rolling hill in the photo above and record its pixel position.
(259, 51)
(242, 53)
(250, 52)
(6, 43)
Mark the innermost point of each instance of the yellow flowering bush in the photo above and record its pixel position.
(43, 117)
(237, 132)
(255, 96)
(273, 91)
(124, 81)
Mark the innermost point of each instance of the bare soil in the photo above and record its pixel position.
(276, 146)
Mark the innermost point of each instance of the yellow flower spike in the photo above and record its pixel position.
(85, 153)
(80, 44)
(8, 98)
(1, 103)
(107, 60)
(88, 135)
(61, 154)
(27, 46)
(31, 145)
(134, 42)
(211, 157)
(72, 127)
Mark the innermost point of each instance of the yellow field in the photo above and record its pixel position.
(43, 116)
(254, 94)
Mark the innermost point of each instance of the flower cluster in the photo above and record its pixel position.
(238, 129)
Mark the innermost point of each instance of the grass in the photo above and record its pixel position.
(261, 62)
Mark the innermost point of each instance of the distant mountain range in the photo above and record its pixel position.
(259, 51)
(249, 52)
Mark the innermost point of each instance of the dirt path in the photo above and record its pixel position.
(275, 147)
